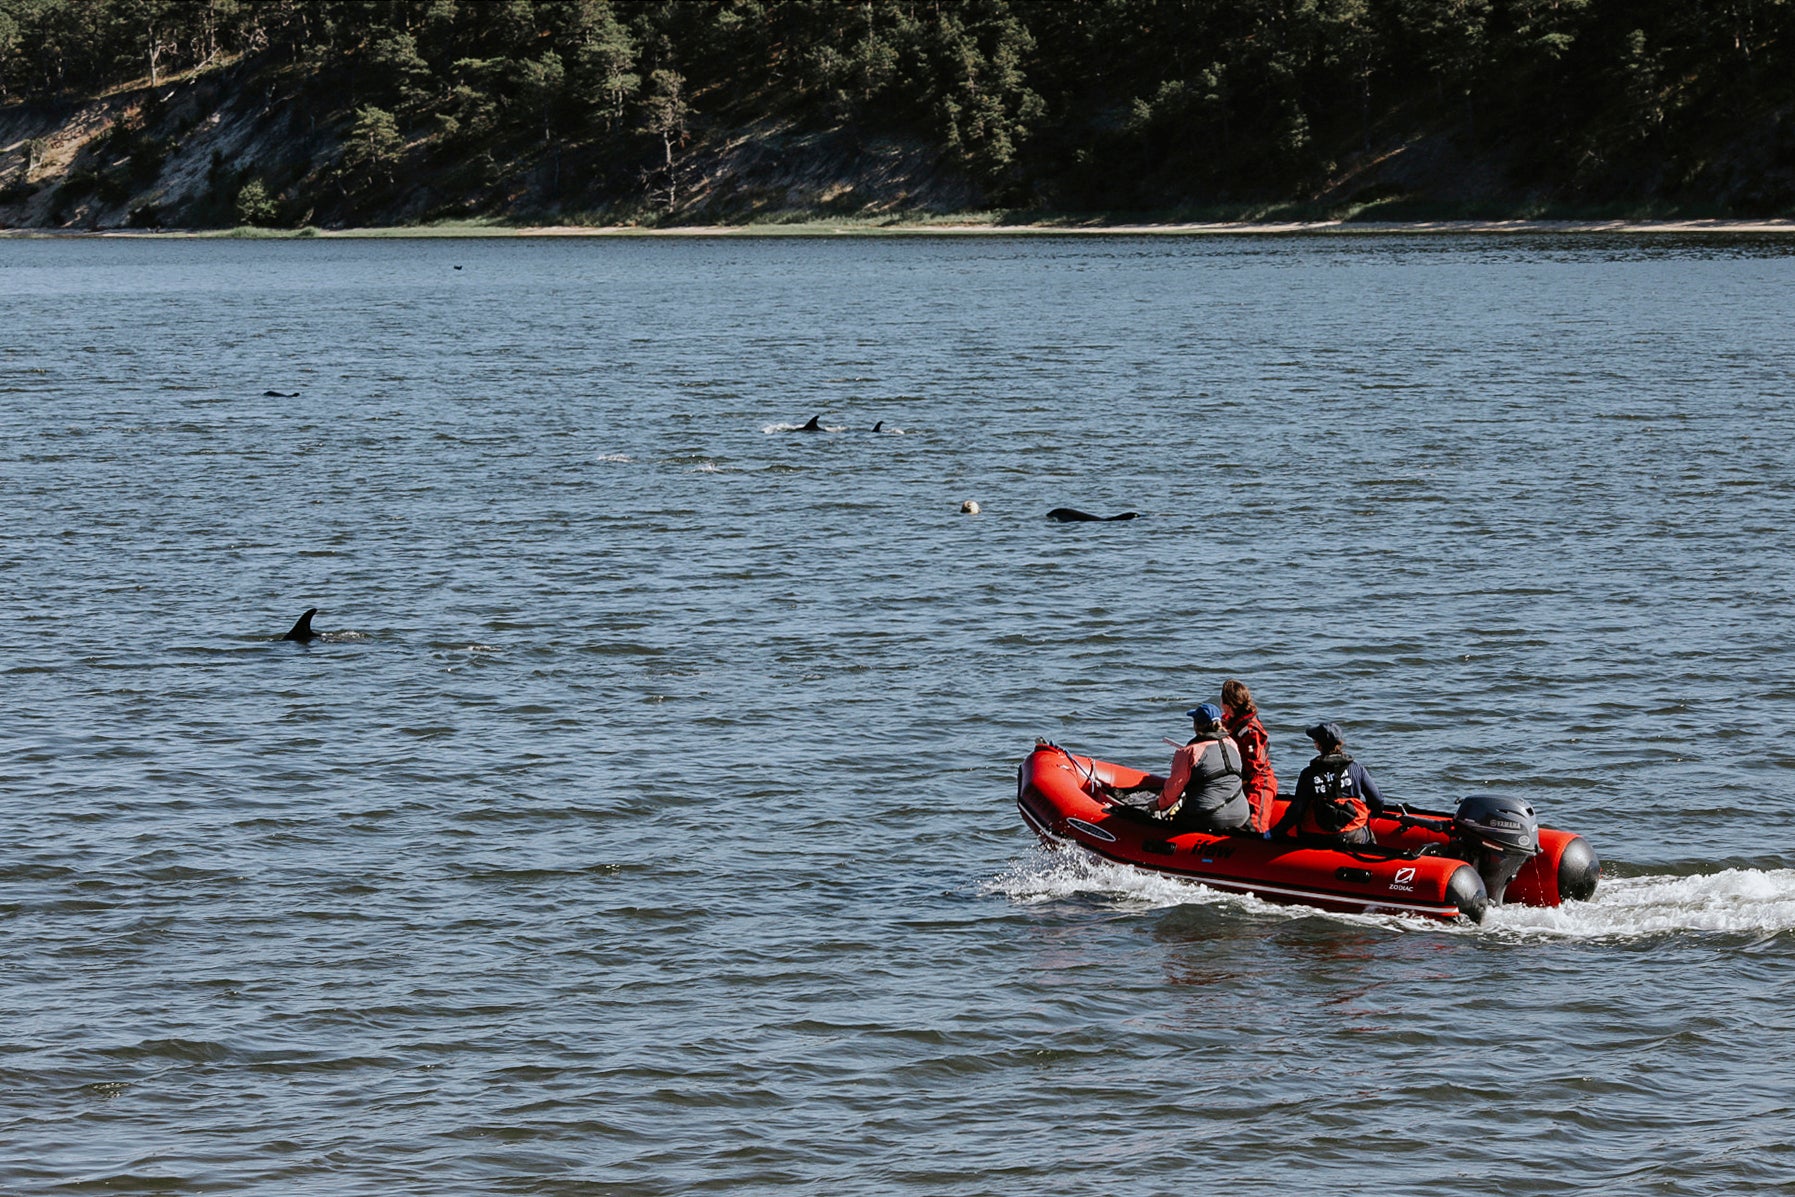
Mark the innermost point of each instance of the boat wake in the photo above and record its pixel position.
(1756, 902)
(1759, 902)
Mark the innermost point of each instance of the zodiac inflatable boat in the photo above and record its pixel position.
(1444, 866)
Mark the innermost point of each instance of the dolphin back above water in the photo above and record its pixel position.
(1071, 515)
(302, 628)
(815, 424)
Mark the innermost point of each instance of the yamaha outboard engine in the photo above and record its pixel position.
(1499, 835)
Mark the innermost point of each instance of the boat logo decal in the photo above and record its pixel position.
(1404, 880)
(1091, 829)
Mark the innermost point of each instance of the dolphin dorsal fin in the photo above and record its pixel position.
(302, 628)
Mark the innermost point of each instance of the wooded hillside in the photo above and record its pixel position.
(351, 112)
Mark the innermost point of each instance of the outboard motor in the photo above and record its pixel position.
(1499, 835)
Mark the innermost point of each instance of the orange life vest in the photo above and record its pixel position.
(1333, 809)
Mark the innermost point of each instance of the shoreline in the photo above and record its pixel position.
(954, 228)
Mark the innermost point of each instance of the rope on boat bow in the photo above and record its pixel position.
(1089, 771)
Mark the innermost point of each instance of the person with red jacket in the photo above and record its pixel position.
(1241, 717)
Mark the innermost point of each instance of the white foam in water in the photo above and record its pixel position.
(1753, 901)
(1748, 901)
(1051, 875)
(1058, 874)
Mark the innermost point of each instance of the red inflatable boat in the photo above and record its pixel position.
(1429, 863)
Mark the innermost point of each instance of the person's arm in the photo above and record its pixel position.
(1261, 758)
(1374, 801)
(1252, 745)
(1177, 779)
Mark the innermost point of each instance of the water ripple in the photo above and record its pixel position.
(642, 822)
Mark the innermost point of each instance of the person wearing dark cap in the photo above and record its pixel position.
(1335, 796)
(1203, 791)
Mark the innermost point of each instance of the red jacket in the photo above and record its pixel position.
(1260, 783)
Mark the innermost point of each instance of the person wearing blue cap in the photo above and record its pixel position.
(1203, 792)
(1335, 796)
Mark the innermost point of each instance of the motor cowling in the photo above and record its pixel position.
(1499, 835)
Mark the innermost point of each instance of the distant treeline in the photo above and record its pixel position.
(1101, 105)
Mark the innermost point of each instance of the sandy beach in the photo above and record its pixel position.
(948, 227)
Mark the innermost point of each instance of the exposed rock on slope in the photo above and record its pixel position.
(181, 155)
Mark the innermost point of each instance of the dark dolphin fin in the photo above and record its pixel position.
(280, 395)
(813, 426)
(1071, 515)
(879, 425)
(302, 630)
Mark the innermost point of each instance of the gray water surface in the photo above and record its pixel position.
(643, 822)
